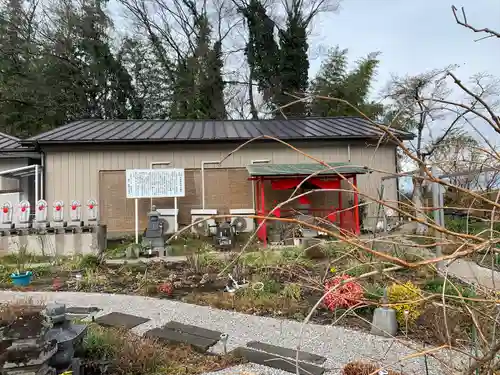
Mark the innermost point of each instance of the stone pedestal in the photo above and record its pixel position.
(384, 322)
(26, 350)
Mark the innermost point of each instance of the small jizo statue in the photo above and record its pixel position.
(7, 213)
(58, 211)
(41, 211)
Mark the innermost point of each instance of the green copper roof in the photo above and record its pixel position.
(304, 169)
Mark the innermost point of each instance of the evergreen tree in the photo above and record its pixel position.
(334, 80)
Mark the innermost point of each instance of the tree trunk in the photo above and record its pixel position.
(418, 198)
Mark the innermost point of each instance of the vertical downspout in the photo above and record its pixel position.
(37, 184)
(42, 176)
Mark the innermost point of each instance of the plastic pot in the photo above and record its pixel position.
(21, 279)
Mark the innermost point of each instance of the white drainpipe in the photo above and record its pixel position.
(37, 184)
(203, 163)
(42, 173)
(263, 161)
(348, 152)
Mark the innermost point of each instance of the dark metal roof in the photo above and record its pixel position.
(107, 131)
(9, 143)
(304, 169)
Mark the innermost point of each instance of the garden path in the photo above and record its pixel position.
(338, 344)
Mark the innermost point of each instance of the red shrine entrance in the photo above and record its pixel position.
(290, 176)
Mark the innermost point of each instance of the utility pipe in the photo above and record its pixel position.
(37, 183)
(136, 209)
(262, 161)
(203, 163)
(42, 179)
(20, 169)
(349, 152)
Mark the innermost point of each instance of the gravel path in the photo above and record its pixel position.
(338, 344)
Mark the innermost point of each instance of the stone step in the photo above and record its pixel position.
(170, 336)
(120, 320)
(286, 352)
(278, 362)
(193, 330)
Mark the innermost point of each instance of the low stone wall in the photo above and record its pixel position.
(92, 241)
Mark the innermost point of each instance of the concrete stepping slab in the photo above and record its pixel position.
(82, 310)
(193, 330)
(166, 335)
(285, 352)
(277, 362)
(120, 320)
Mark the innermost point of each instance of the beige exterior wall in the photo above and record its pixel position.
(74, 173)
(7, 164)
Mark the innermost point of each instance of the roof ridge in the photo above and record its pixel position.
(2, 134)
(326, 128)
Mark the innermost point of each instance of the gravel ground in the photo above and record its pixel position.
(338, 344)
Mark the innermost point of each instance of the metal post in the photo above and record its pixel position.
(263, 210)
(436, 202)
(136, 208)
(176, 225)
(37, 184)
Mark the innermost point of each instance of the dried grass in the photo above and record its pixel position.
(132, 354)
(364, 368)
(18, 309)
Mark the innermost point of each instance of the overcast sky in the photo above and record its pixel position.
(413, 36)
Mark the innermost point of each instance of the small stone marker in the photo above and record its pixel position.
(41, 214)
(120, 320)
(384, 321)
(7, 215)
(75, 214)
(58, 214)
(92, 212)
(24, 214)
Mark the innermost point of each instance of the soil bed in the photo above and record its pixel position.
(285, 288)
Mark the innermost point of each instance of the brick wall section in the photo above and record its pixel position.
(225, 189)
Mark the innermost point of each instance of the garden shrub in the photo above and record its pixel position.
(292, 291)
(436, 286)
(406, 297)
(373, 293)
(347, 294)
(89, 261)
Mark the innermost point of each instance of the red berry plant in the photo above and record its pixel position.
(166, 288)
(344, 294)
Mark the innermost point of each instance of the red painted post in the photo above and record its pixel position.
(356, 205)
(263, 210)
(341, 213)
